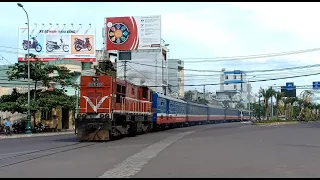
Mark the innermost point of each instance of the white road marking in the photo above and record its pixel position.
(133, 164)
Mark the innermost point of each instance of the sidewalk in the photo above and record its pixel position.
(63, 132)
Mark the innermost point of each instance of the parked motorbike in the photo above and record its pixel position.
(18, 127)
(34, 45)
(39, 128)
(51, 45)
(1, 128)
(81, 44)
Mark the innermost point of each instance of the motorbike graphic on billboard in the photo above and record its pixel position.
(33, 44)
(58, 44)
(82, 44)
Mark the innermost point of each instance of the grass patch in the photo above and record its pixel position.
(272, 121)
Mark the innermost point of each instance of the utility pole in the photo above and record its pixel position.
(272, 104)
(271, 107)
(204, 92)
(125, 70)
(249, 96)
(259, 107)
(77, 108)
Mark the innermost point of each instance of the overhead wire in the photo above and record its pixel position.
(261, 80)
(232, 58)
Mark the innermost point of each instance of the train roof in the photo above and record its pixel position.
(215, 106)
(196, 104)
(171, 98)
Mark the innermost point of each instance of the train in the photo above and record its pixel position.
(110, 108)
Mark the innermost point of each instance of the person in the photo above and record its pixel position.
(7, 125)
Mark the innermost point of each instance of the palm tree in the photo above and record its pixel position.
(304, 103)
(292, 100)
(278, 95)
(267, 94)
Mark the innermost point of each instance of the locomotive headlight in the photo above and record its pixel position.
(107, 116)
(84, 116)
(78, 115)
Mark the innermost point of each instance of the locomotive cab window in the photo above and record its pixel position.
(144, 92)
(121, 93)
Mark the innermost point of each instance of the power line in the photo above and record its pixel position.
(266, 70)
(233, 58)
(261, 80)
(293, 70)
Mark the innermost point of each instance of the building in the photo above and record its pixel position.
(195, 96)
(176, 77)
(234, 88)
(146, 67)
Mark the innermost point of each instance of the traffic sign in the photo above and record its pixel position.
(289, 86)
(316, 85)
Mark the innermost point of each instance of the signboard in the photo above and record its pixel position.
(133, 33)
(289, 86)
(289, 93)
(54, 44)
(316, 85)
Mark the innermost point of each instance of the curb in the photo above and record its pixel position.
(35, 135)
(276, 123)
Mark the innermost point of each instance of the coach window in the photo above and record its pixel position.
(163, 106)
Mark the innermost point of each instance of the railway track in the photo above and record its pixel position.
(23, 157)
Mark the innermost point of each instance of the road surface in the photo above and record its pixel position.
(221, 150)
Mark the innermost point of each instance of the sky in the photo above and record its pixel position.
(196, 30)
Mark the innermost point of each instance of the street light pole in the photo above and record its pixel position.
(250, 98)
(28, 125)
(272, 103)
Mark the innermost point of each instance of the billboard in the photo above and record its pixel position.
(289, 92)
(133, 33)
(54, 44)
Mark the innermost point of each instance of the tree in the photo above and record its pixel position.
(17, 102)
(10, 102)
(278, 96)
(202, 101)
(240, 105)
(257, 109)
(267, 94)
(40, 74)
(188, 96)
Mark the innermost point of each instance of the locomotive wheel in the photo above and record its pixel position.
(116, 135)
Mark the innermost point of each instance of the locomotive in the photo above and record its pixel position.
(111, 108)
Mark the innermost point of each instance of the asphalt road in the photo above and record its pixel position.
(221, 150)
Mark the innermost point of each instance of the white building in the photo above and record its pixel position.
(146, 67)
(234, 88)
(176, 77)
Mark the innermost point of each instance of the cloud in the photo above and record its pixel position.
(297, 19)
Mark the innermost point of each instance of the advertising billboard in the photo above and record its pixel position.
(74, 44)
(133, 33)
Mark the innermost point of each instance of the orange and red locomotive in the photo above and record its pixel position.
(111, 107)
